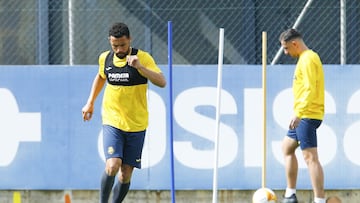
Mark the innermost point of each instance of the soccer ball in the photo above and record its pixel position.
(264, 195)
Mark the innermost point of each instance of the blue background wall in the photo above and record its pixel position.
(44, 143)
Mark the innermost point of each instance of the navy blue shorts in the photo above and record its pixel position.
(305, 133)
(124, 145)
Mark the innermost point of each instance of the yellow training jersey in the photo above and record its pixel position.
(125, 106)
(308, 86)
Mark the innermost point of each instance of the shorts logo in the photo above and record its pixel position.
(110, 150)
(138, 160)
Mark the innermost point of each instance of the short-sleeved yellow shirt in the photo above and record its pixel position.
(125, 107)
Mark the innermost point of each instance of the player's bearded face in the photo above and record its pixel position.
(122, 55)
(120, 46)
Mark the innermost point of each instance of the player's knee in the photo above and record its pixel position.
(126, 173)
(310, 160)
(310, 155)
(124, 178)
(112, 168)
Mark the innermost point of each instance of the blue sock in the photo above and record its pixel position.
(107, 183)
(120, 191)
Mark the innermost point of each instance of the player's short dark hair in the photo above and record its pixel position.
(118, 30)
(290, 34)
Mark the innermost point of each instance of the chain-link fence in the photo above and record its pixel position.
(76, 31)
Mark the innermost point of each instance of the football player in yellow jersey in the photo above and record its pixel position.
(308, 90)
(126, 70)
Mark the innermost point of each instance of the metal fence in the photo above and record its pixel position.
(76, 31)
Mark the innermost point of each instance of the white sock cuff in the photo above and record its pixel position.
(289, 192)
(319, 200)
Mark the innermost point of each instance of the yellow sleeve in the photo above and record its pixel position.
(309, 66)
(148, 61)
(307, 92)
(102, 58)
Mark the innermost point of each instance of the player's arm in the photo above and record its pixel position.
(96, 88)
(309, 91)
(157, 78)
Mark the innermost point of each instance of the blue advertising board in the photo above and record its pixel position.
(45, 144)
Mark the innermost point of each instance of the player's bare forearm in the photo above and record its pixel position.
(88, 109)
(96, 88)
(157, 79)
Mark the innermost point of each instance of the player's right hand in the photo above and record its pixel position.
(87, 112)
